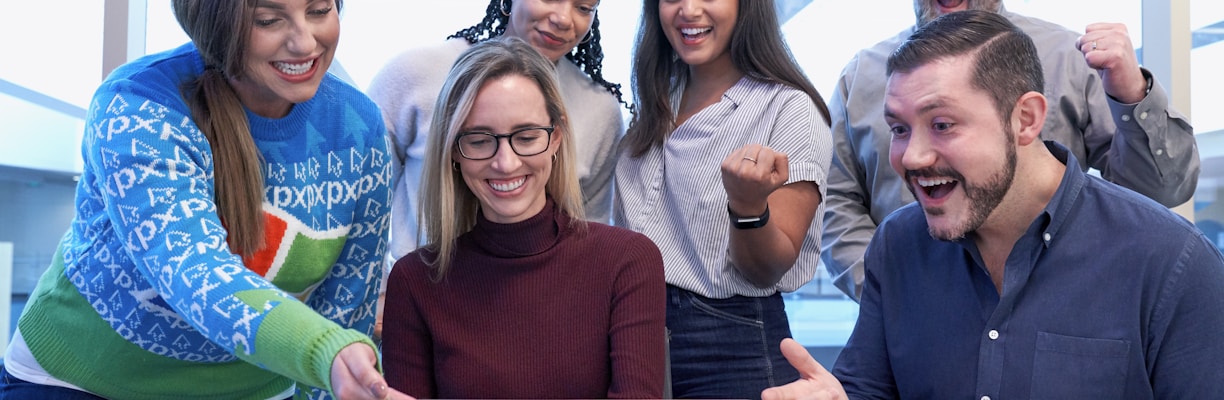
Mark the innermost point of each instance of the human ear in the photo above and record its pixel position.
(1028, 117)
(556, 138)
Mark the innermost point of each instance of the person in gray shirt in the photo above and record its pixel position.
(1097, 91)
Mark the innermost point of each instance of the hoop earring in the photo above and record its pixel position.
(554, 158)
(501, 6)
(587, 38)
(455, 165)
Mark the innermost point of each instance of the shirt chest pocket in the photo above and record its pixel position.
(1068, 367)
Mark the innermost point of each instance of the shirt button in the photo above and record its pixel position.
(1159, 152)
(1143, 115)
(993, 334)
(1126, 117)
(985, 397)
(1046, 236)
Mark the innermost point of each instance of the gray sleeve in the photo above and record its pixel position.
(1153, 151)
(597, 189)
(848, 225)
(598, 123)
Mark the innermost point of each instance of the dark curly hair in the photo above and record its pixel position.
(588, 55)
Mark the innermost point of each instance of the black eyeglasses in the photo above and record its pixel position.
(476, 145)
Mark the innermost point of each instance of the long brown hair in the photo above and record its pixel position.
(221, 31)
(757, 50)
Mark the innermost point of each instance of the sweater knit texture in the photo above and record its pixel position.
(146, 300)
(534, 309)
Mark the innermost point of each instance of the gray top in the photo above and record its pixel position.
(1155, 154)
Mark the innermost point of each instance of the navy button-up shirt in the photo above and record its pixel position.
(1108, 295)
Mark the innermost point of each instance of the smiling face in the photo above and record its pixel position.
(957, 155)
(553, 27)
(699, 30)
(510, 187)
(291, 46)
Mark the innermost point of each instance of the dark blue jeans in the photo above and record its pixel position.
(17, 389)
(726, 348)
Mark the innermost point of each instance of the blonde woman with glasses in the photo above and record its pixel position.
(514, 295)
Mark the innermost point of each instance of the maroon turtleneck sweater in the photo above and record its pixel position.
(533, 309)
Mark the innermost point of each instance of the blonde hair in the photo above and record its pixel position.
(448, 207)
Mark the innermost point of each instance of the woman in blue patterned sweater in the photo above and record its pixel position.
(230, 222)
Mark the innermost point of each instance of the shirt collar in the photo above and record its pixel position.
(1073, 181)
(738, 93)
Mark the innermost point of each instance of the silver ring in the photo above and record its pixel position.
(1094, 46)
(750, 159)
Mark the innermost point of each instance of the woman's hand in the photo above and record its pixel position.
(354, 375)
(754, 177)
(749, 175)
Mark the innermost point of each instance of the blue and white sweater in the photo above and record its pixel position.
(147, 278)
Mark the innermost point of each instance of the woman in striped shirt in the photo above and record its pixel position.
(724, 168)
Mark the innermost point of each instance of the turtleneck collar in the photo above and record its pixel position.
(529, 237)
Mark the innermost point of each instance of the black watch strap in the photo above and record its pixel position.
(748, 222)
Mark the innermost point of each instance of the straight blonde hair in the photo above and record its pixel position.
(448, 207)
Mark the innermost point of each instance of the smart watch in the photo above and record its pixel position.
(748, 222)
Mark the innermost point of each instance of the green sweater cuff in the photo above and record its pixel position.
(296, 341)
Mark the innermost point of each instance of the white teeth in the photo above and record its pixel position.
(294, 69)
(695, 31)
(506, 187)
(934, 182)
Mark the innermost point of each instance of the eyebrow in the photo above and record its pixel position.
(482, 128)
(927, 107)
(938, 103)
(269, 4)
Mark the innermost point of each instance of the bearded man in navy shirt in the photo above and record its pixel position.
(1014, 276)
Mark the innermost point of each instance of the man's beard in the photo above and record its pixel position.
(926, 10)
(983, 198)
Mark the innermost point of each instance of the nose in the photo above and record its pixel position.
(560, 16)
(301, 39)
(690, 8)
(915, 150)
(505, 159)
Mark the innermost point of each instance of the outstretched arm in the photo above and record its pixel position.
(353, 376)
